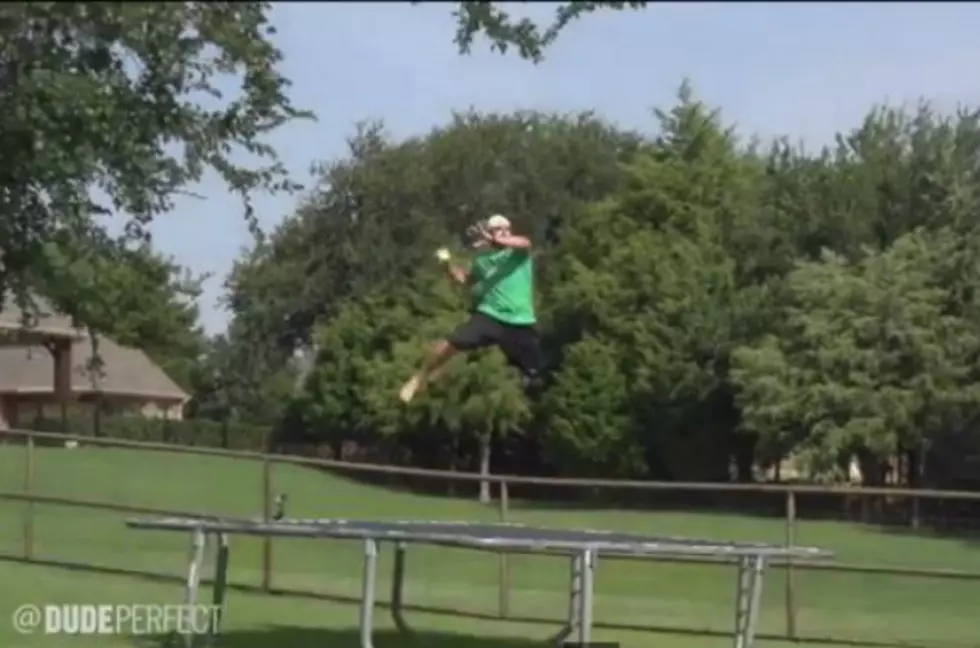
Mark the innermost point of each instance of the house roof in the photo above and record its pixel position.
(124, 371)
(50, 323)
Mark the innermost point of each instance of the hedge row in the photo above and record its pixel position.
(190, 432)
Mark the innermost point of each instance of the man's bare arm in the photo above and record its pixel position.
(458, 273)
(512, 241)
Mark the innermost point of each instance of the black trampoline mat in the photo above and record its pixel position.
(473, 534)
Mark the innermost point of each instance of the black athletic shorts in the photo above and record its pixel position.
(518, 343)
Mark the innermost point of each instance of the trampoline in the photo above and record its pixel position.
(582, 547)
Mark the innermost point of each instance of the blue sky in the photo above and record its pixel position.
(806, 70)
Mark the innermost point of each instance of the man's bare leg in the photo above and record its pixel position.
(433, 367)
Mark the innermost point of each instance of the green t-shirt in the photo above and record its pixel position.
(503, 285)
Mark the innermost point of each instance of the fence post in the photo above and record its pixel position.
(29, 504)
(790, 572)
(266, 517)
(504, 599)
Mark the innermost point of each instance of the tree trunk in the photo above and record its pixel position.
(453, 455)
(485, 468)
(97, 416)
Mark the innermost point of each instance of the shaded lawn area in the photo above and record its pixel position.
(264, 621)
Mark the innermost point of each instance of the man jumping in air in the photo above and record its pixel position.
(502, 280)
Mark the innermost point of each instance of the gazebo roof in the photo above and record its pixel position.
(123, 371)
(50, 324)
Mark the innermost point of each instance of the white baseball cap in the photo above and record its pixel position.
(498, 221)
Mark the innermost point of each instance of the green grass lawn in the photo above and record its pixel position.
(873, 608)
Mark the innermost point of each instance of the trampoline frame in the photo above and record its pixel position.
(581, 547)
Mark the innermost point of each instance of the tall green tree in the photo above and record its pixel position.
(868, 362)
(655, 269)
(589, 428)
(527, 37)
(898, 174)
(118, 107)
(134, 295)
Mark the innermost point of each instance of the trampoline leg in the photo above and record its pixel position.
(367, 593)
(220, 584)
(755, 598)
(575, 592)
(398, 588)
(585, 599)
(741, 603)
(748, 598)
(199, 542)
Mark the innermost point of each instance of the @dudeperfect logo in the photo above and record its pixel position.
(101, 619)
